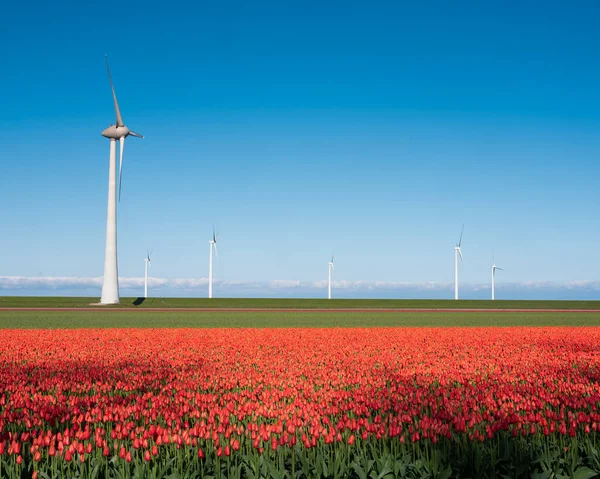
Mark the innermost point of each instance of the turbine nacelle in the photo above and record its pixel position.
(116, 132)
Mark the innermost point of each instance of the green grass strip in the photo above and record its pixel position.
(80, 302)
(276, 319)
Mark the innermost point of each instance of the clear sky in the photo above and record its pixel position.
(376, 127)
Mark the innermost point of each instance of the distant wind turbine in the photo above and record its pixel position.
(457, 251)
(330, 268)
(212, 243)
(494, 268)
(146, 268)
(117, 132)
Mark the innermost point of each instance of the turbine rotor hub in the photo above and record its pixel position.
(116, 132)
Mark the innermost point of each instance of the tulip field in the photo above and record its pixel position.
(300, 403)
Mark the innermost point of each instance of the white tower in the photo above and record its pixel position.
(457, 251)
(117, 132)
(212, 244)
(330, 269)
(494, 268)
(147, 264)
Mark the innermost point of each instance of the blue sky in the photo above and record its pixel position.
(376, 127)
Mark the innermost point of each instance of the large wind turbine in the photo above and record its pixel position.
(457, 251)
(494, 268)
(330, 268)
(148, 263)
(117, 132)
(212, 244)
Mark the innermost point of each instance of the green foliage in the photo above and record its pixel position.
(536, 456)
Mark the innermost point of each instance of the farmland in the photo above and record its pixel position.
(281, 319)
(265, 303)
(293, 389)
(328, 402)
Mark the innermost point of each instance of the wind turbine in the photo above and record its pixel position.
(117, 132)
(457, 251)
(212, 243)
(330, 268)
(494, 268)
(146, 268)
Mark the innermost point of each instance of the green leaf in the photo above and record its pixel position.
(360, 472)
(446, 473)
(138, 471)
(386, 473)
(275, 473)
(95, 471)
(584, 473)
(165, 468)
(250, 472)
(325, 468)
(541, 475)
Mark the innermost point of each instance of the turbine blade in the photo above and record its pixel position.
(137, 135)
(460, 253)
(118, 112)
(461, 235)
(122, 143)
(333, 255)
(501, 269)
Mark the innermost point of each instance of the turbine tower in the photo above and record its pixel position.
(457, 251)
(117, 132)
(212, 243)
(146, 267)
(330, 268)
(494, 268)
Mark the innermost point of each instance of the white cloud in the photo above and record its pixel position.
(48, 282)
(281, 287)
(285, 283)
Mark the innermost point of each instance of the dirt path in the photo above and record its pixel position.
(105, 309)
